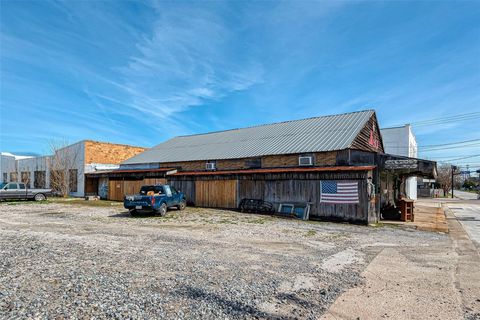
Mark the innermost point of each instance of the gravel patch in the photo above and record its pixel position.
(65, 261)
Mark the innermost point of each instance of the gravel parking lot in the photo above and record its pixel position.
(69, 260)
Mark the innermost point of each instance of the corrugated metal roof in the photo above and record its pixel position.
(328, 133)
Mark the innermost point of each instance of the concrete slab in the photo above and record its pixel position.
(428, 216)
(436, 281)
(397, 287)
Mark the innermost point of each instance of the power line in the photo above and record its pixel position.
(443, 120)
(450, 143)
(455, 159)
(456, 118)
(452, 147)
(438, 145)
(447, 157)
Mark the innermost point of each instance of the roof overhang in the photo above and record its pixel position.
(406, 166)
(131, 173)
(276, 170)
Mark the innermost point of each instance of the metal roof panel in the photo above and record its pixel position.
(328, 133)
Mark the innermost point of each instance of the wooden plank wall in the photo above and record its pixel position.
(216, 193)
(284, 191)
(91, 186)
(228, 191)
(187, 187)
(117, 189)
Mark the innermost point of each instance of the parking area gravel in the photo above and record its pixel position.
(68, 260)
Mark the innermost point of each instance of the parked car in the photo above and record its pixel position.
(19, 191)
(156, 199)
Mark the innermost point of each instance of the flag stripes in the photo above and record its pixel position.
(339, 192)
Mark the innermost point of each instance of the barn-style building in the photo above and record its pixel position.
(328, 163)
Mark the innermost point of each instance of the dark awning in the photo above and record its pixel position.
(407, 166)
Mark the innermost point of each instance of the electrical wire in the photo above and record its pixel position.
(456, 159)
(443, 120)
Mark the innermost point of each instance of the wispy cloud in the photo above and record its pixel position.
(185, 62)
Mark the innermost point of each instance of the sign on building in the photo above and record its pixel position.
(401, 164)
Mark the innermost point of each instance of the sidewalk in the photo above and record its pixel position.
(436, 280)
(401, 283)
(428, 216)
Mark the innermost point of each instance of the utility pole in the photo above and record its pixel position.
(453, 171)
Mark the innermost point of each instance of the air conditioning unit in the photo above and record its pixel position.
(210, 166)
(305, 161)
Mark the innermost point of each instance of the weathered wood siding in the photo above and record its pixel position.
(369, 138)
(216, 193)
(117, 189)
(274, 161)
(290, 191)
(91, 186)
(226, 191)
(187, 187)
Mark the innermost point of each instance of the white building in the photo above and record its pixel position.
(74, 161)
(402, 142)
(7, 165)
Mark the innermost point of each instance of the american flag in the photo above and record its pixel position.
(339, 192)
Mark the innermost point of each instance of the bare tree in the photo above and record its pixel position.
(62, 165)
(444, 177)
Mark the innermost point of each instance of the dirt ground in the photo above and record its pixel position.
(69, 260)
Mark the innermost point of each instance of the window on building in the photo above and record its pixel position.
(57, 180)
(73, 180)
(39, 179)
(211, 165)
(305, 160)
(5, 177)
(13, 176)
(253, 163)
(25, 175)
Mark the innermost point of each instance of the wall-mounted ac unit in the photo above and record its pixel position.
(305, 161)
(210, 166)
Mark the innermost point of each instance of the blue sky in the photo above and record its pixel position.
(141, 72)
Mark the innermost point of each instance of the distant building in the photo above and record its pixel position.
(76, 160)
(401, 141)
(7, 165)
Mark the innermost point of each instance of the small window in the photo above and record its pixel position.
(39, 179)
(305, 161)
(73, 180)
(12, 186)
(253, 163)
(211, 166)
(5, 177)
(25, 177)
(21, 186)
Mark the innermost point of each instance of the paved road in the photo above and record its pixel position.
(465, 195)
(468, 214)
